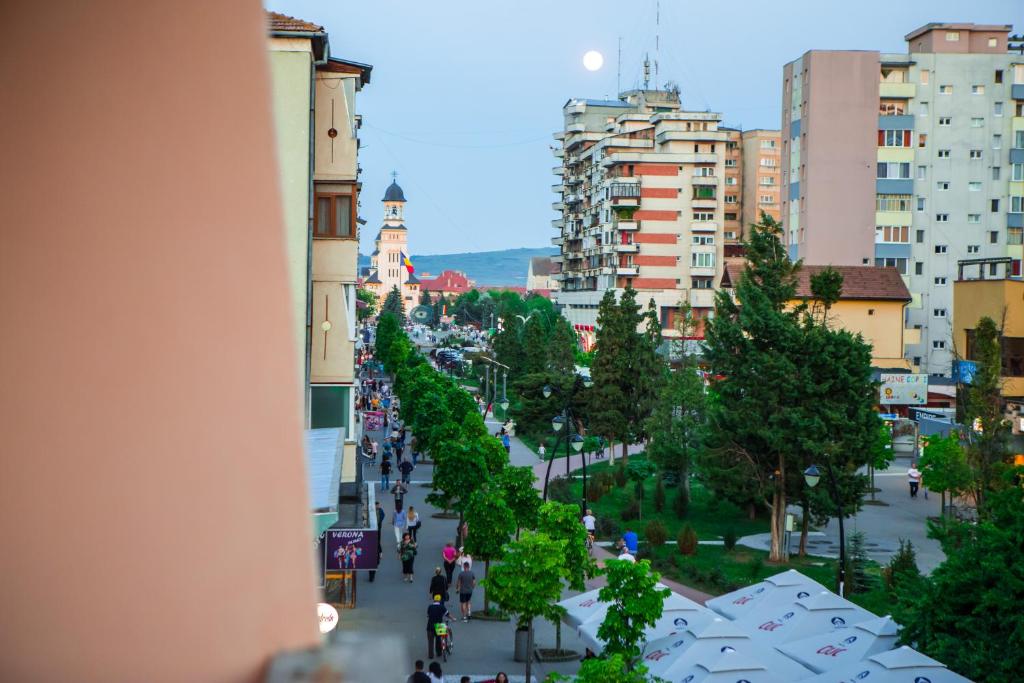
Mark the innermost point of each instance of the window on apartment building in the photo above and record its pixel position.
(730, 199)
(893, 169)
(993, 237)
(1017, 172)
(703, 191)
(994, 205)
(1016, 204)
(945, 90)
(1018, 139)
(938, 312)
(769, 162)
(973, 248)
(892, 234)
(1015, 236)
(977, 90)
(942, 154)
(701, 216)
(975, 154)
(977, 122)
(900, 264)
(730, 234)
(731, 216)
(702, 259)
(894, 138)
(998, 78)
(891, 108)
(997, 141)
(892, 202)
(940, 282)
(993, 42)
(952, 36)
(993, 268)
(920, 204)
(922, 172)
(974, 218)
(925, 76)
(703, 171)
(730, 163)
(731, 180)
(942, 185)
(334, 216)
(922, 139)
(974, 186)
(997, 109)
(702, 282)
(942, 218)
(704, 240)
(940, 248)
(938, 345)
(766, 199)
(919, 236)
(995, 173)
(922, 109)
(767, 180)
(945, 120)
(917, 360)
(768, 144)
(918, 267)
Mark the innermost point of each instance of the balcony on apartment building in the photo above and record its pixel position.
(558, 170)
(559, 152)
(626, 248)
(560, 188)
(558, 206)
(558, 223)
(624, 194)
(627, 225)
(560, 135)
(702, 298)
(557, 241)
(627, 271)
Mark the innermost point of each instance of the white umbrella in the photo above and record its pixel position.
(902, 665)
(674, 656)
(671, 620)
(728, 667)
(583, 607)
(835, 649)
(817, 614)
(786, 587)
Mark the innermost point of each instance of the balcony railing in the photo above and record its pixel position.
(622, 190)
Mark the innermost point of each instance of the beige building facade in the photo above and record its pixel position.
(762, 175)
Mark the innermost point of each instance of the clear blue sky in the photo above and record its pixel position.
(465, 95)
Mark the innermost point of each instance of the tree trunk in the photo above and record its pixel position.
(458, 532)
(558, 635)
(625, 453)
(942, 509)
(487, 571)
(777, 552)
(529, 649)
(751, 512)
(684, 480)
(871, 482)
(804, 526)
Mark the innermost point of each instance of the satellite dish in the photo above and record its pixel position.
(424, 315)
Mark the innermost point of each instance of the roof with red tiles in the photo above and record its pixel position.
(448, 281)
(859, 282)
(282, 22)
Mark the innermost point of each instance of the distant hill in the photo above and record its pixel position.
(505, 267)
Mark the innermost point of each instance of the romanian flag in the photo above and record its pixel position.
(407, 263)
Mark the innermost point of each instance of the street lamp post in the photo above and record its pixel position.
(812, 475)
(567, 418)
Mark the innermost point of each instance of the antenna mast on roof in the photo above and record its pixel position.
(657, 39)
(647, 71)
(618, 71)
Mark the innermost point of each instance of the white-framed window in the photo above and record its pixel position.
(952, 36)
(974, 218)
(997, 109)
(920, 204)
(940, 248)
(730, 163)
(974, 186)
(1016, 204)
(893, 169)
(924, 76)
(938, 312)
(702, 216)
(975, 154)
(997, 141)
(892, 202)
(766, 199)
(945, 90)
(730, 180)
(942, 218)
(945, 120)
(730, 199)
(973, 248)
(943, 154)
(900, 264)
(702, 259)
(977, 90)
(940, 282)
(922, 172)
(704, 240)
(938, 344)
(769, 162)
(977, 122)
(942, 185)
(894, 138)
(995, 173)
(1017, 172)
(704, 171)
(767, 180)
(768, 144)
(922, 109)
(730, 234)
(892, 234)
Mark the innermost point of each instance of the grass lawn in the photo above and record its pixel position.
(713, 569)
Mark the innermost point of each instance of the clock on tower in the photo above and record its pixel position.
(394, 201)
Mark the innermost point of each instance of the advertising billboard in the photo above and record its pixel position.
(903, 389)
(351, 549)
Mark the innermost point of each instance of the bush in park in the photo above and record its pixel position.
(687, 540)
(559, 489)
(631, 510)
(659, 495)
(729, 539)
(681, 503)
(656, 533)
(902, 566)
(606, 528)
(620, 475)
(594, 491)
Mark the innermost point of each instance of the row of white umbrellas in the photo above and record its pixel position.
(787, 628)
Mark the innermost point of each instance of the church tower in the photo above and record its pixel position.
(387, 263)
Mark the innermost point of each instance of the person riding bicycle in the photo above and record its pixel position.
(437, 613)
(590, 524)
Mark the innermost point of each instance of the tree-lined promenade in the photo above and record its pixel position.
(728, 438)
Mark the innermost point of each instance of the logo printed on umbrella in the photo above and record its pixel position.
(776, 623)
(922, 679)
(803, 594)
(588, 603)
(657, 655)
(679, 621)
(838, 621)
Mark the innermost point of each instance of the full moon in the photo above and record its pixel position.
(593, 60)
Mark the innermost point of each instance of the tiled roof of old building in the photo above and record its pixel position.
(859, 282)
(282, 22)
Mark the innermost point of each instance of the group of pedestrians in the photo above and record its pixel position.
(433, 674)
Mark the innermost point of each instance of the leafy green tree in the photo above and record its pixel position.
(967, 613)
(528, 581)
(491, 525)
(561, 347)
(988, 446)
(944, 467)
(508, 344)
(677, 424)
(612, 669)
(638, 472)
(561, 521)
(425, 299)
(393, 304)
(608, 408)
(368, 298)
(520, 494)
(635, 603)
(534, 345)
(388, 329)
(458, 474)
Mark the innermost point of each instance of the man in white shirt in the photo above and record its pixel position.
(914, 479)
(589, 521)
(626, 555)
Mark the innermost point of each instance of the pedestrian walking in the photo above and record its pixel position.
(379, 510)
(407, 553)
(385, 474)
(542, 452)
(436, 614)
(449, 554)
(406, 467)
(914, 479)
(506, 441)
(464, 584)
(399, 522)
(435, 673)
(419, 675)
(413, 522)
(438, 585)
